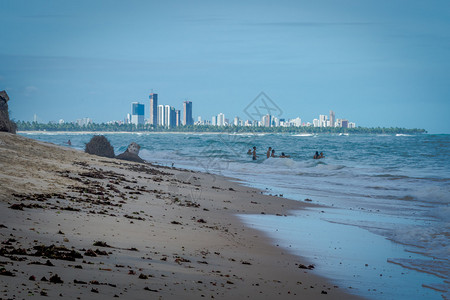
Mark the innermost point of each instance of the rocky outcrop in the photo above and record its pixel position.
(5, 123)
(99, 145)
(131, 154)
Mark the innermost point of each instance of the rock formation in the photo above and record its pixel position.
(131, 154)
(5, 123)
(100, 146)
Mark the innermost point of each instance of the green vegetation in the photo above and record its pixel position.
(34, 126)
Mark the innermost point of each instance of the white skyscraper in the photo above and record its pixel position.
(167, 115)
(214, 121)
(297, 122)
(221, 119)
(323, 120)
(161, 118)
(316, 123)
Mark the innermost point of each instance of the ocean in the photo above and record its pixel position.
(381, 228)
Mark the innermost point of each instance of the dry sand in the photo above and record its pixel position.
(108, 228)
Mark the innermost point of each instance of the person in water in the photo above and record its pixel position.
(268, 152)
(254, 153)
(272, 154)
(321, 155)
(284, 156)
(249, 152)
(316, 156)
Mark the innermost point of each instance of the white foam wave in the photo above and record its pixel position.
(432, 194)
(303, 134)
(430, 240)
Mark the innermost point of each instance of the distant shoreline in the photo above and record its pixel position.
(208, 129)
(211, 132)
(116, 132)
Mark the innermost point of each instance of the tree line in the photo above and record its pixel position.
(35, 126)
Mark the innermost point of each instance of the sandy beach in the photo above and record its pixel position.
(79, 226)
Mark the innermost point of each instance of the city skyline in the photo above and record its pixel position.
(168, 116)
(382, 63)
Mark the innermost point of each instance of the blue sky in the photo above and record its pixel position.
(377, 63)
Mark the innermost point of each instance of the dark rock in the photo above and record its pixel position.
(4, 272)
(90, 252)
(131, 154)
(310, 267)
(101, 244)
(49, 263)
(79, 281)
(56, 279)
(100, 146)
(56, 252)
(5, 123)
(17, 206)
(100, 252)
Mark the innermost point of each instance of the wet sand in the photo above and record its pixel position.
(80, 226)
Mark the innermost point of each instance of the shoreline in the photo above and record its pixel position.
(220, 132)
(183, 224)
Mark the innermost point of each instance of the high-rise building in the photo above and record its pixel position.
(167, 115)
(177, 118)
(332, 119)
(187, 113)
(266, 120)
(153, 109)
(137, 113)
(275, 122)
(236, 121)
(297, 122)
(172, 118)
(342, 123)
(214, 121)
(161, 115)
(221, 119)
(323, 120)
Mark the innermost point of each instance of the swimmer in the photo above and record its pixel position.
(254, 153)
(284, 156)
(316, 156)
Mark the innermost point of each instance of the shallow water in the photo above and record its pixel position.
(385, 197)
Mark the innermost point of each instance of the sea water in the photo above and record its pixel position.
(381, 229)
